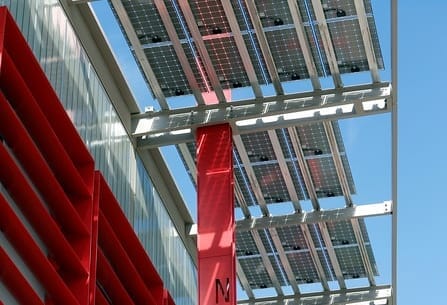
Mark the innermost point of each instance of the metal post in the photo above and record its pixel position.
(216, 226)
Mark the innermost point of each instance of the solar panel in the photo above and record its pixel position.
(298, 254)
(280, 33)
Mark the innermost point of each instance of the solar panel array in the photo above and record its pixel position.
(278, 26)
(276, 167)
(298, 254)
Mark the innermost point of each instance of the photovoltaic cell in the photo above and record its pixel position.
(168, 70)
(245, 245)
(280, 33)
(145, 20)
(290, 65)
(256, 273)
(210, 17)
(227, 62)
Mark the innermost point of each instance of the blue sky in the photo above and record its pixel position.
(422, 178)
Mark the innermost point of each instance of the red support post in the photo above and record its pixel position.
(216, 238)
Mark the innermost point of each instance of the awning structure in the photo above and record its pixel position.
(274, 70)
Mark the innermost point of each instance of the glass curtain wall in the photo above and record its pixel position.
(55, 44)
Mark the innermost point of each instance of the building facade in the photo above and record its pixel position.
(88, 83)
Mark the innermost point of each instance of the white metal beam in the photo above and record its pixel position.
(251, 174)
(298, 149)
(240, 198)
(304, 43)
(332, 255)
(139, 53)
(314, 256)
(284, 170)
(243, 280)
(267, 113)
(176, 44)
(347, 194)
(333, 215)
(367, 295)
(332, 140)
(264, 46)
(242, 48)
(327, 42)
(367, 40)
(363, 252)
(201, 48)
(284, 260)
(266, 262)
(394, 145)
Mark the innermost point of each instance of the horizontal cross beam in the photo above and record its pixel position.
(365, 295)
(167, 127)
(333, 215)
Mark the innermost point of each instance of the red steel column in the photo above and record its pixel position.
(216, 240)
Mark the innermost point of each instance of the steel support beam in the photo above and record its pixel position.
(264, 46)
(394, 144)
(266, 262)
(243, 280)
(139, 53)
(335, 215)
(367, 40)
(327, 42)
(251, 175)
(242, 48)
(240, 198)
(332, 140)
(314, 256)
(175, 126)
(298, 149)
(347, 194)
(176, 44)
(284, 170)
(284, 260)
(363, 252)
(338, 297)
(332, 255)
(204, 55)
(304, 44)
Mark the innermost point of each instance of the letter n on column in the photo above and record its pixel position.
(215, 208)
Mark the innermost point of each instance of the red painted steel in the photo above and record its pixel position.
(111, 282)
(16, 283)
(33, 256)
(49, 175)
(123, 250)
(48, 103)
(216, 239)
(37, 215)
(128, 239)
